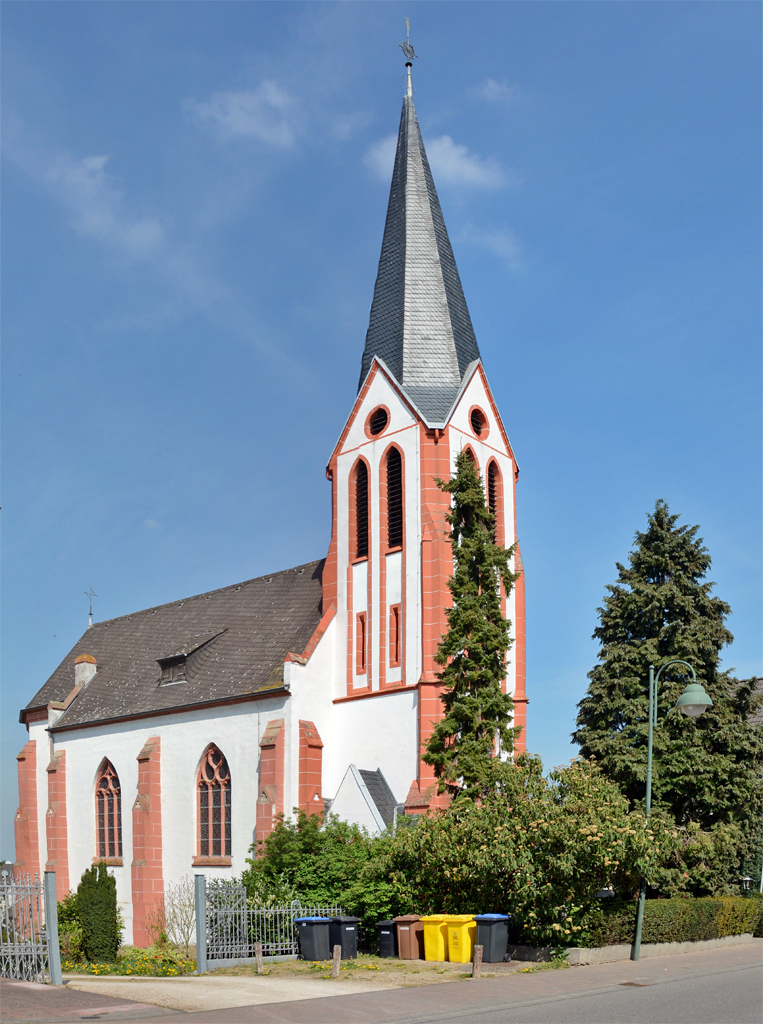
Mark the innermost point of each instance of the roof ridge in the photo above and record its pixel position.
(205, 593)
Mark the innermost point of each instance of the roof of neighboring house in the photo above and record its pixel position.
(380, 793)
(756, 718)
(419, 324)
(234, 641)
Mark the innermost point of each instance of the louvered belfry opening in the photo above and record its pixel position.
(361, 510)
(108, 796)
(394, 498)
(214, 805)
(492, 488)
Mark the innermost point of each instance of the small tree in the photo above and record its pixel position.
(180, 913)
(707, 771)
(98, 915)
(473, 650)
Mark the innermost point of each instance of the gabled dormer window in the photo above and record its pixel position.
(173, 669)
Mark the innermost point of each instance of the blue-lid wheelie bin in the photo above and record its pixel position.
(493, 936)
(313, 935)
(343, 931)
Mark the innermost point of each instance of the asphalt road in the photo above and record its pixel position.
(723, 986)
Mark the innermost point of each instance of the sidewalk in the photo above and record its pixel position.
(714, 985)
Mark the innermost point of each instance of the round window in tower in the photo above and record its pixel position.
(478, 421)
(377, 421)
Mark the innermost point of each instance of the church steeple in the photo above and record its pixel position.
(420, 324)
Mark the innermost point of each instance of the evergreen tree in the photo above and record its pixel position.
(706, 770)
(474, 648)
(97, 912)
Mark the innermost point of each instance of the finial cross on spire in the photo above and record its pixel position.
(91, 594)
(410, 53)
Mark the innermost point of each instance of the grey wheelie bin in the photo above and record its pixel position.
(313, 935)
(493, 936)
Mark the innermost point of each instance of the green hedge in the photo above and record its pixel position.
(672, 920)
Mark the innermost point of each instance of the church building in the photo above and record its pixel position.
(168, 740)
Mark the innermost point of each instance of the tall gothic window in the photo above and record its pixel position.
(361, 510)
(394, 498)
(214, 805)
(108, 806)
(495, 499)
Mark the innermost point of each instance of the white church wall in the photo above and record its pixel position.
(375, 732)
(235, 729)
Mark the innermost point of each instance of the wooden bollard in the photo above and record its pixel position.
(336, 962)
(477, 962)
(258, 957)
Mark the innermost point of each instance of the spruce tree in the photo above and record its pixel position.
(473, 650)
(706, 770)
(98, 915)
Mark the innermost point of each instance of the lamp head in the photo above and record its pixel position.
(746, 883)
(693, 701)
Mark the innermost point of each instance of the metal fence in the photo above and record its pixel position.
(227, 927)
(29, 928)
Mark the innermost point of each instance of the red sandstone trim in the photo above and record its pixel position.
(310, 768)
(211, 862)
(55, 823)
(270, 802)
(147, 871)
(25, 824)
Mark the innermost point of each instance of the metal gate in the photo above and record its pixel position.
(227, 928)
(29, 928)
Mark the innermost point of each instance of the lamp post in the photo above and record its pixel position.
(693, 701)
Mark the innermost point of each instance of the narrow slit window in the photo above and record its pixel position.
(360, 643)
(495, 499)
(108, 796)
(214, 805)
(394, 498)
(395, 636)
(361, 510)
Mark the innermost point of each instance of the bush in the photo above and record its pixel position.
(96, 909)
(536, 848)
(671, 920)
(69, 929)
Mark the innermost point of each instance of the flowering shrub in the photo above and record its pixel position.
(537, 848)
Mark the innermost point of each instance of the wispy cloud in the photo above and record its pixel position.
(380, 157)
(499, 92)
(99, 209)
(451, 163)
(501, 243)
(455, 165)
(268, 113)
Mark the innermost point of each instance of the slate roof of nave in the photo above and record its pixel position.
(419, 323)
(237, 638)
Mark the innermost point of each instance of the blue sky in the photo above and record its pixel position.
(193, 203)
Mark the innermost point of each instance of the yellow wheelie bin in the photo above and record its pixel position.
(462, 931)
(435, 937)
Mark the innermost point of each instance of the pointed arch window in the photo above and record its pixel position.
(361, 510)
(495, 499)
(108, 808)
(394, 498)
(214, 793)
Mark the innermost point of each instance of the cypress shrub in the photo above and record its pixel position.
(673, 920)
(97, 912)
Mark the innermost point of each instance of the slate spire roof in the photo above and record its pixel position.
(420, 324)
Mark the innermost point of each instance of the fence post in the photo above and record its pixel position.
(200, 899)
(51, 928)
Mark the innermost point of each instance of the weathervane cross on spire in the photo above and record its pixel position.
(410, 53)
(91, 594)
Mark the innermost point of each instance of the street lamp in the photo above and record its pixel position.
(693, 701)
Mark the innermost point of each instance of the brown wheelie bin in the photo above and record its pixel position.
(410, 937)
